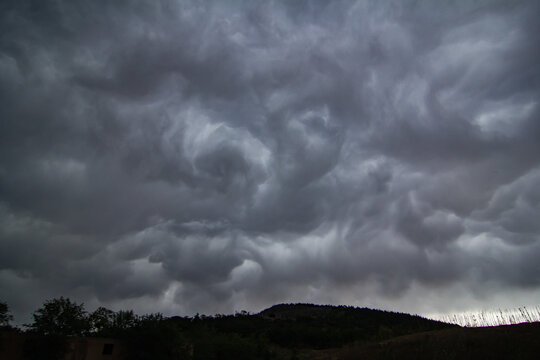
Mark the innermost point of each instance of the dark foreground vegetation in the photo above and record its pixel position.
(519, 341)
(287, 331)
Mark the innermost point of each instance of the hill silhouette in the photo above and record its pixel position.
(308, 331)
(286, 331)
(289, 330)
(324, 326)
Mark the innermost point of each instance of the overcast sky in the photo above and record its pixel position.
(199, 156)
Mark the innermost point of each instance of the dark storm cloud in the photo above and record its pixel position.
(218, 155)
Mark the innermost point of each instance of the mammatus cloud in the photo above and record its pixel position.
(190, 157)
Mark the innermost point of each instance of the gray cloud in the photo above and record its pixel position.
(184, 157)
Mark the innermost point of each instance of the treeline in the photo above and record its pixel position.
(279, 332)
(149, 336)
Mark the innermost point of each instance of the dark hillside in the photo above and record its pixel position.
(293, 327)
(521, 341)
(320, 326)
(286, 331)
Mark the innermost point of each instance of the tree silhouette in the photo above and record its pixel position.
(5, 315)
(124, 319)
(60, 317)
(101, 321)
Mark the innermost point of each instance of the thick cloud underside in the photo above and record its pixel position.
(214, 156)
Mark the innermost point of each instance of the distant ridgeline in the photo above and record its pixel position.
(324, 326)
(275, 333)
(281, 332)
(493, 317)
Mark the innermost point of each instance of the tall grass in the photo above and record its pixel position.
(494, 317)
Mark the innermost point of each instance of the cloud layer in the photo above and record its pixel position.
(208, 157)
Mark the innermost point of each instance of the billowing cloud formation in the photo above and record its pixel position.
(187, 156)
